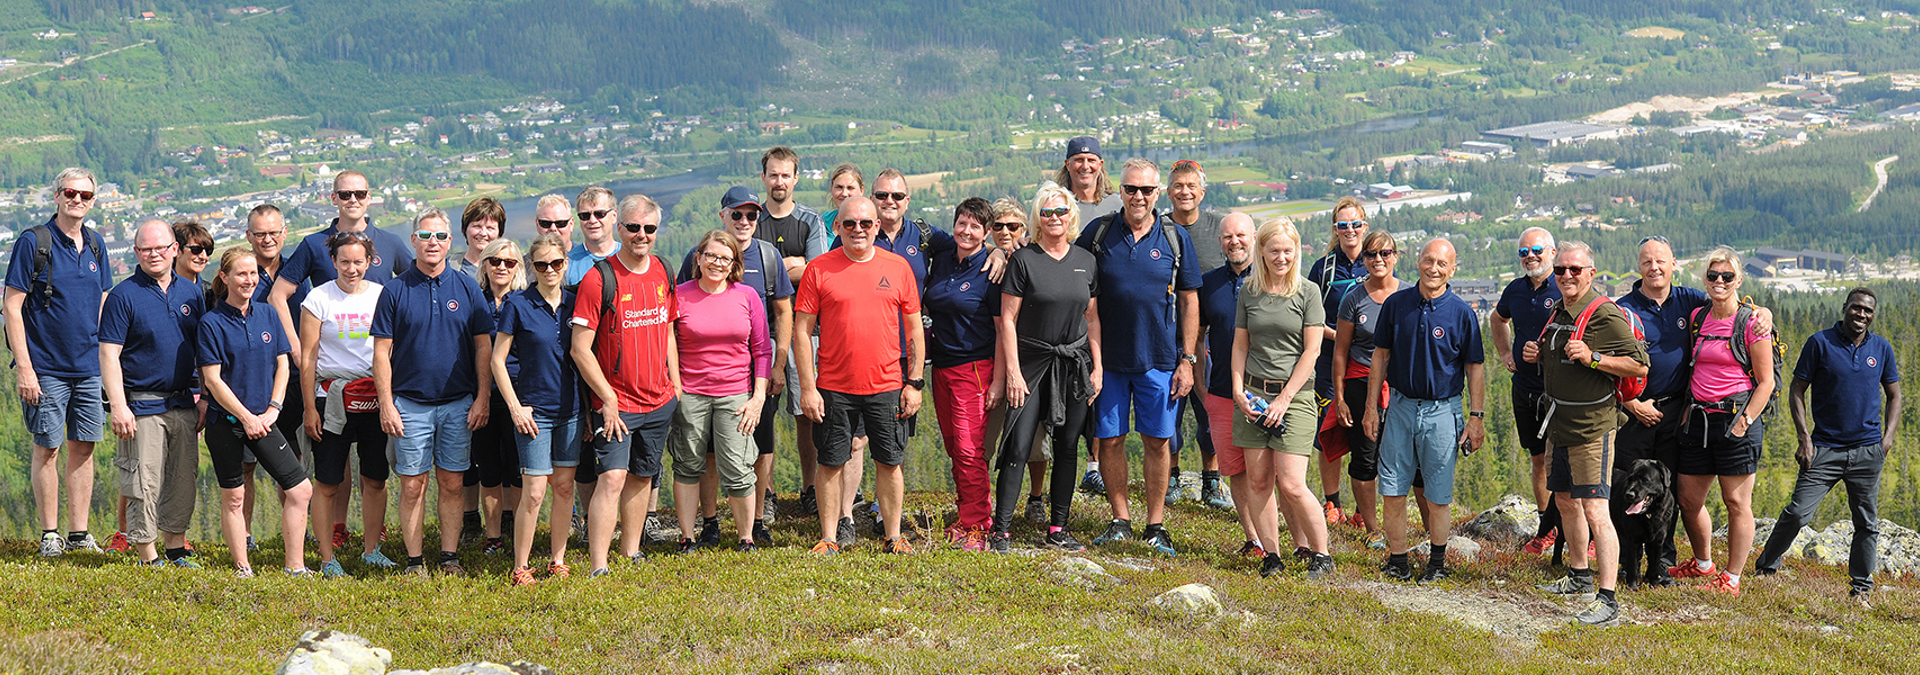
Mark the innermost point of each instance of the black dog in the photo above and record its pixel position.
(1643, 508)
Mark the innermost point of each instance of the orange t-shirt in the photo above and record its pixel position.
(636, 347)
(859, 305)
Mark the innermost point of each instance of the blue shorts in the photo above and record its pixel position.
(433, 436)
(1420, 436)
(638, 452)
(1148, 395)
(558, 445)
(72, 402)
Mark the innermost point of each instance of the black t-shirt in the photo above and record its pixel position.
(1053, 294)
(788, 234)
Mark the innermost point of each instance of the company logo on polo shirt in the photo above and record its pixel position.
(1363, 318)
(376, 261)
(964, 285)
(913, 250)
(1872, 362)
(185, 310)
(1546, 302)
(1682, 323)
(93, 266)
(1439, 333)
(266, 337)
(1155, 254)
(453, 305)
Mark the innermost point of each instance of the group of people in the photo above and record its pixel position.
(513, 370)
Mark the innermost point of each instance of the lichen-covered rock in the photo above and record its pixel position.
(1192, 601)
(1899, 546)
(326, 652)
(1083, 573)
(1512, 520)
(483, 668)
(1459, 549)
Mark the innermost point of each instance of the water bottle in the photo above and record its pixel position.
(1259, 405)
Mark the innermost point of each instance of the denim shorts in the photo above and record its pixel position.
(432, 436)
(71, 402)
(1422, 437)
(558, 445)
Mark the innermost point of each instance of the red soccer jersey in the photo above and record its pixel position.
(633, 352)
(859, 305)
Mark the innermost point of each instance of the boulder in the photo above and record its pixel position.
(1459, 549)
(1512, 520)
(1083, 573)
(326, 652)
(1192, 601)
(1899, 548)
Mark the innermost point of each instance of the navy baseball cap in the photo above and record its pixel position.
(1079, 145)
(738, 196)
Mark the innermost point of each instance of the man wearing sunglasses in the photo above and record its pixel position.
(1150, 320)
(311, 263)
(1186, 189)
(1524, 308)
(432, 344)
(53, 329)
(1084, 173)
(595, 207)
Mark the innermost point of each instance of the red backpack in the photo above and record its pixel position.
(1624, 388)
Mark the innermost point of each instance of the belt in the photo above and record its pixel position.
(1265, 386)
(1553, 404)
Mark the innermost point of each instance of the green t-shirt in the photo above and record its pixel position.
(1572, 383)
(1275, 328)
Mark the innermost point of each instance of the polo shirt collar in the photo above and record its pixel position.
(441, 278)
(1865, 336)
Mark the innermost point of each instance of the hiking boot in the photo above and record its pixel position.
(558, 570)
(709, 532)
(638, 558)
(470, 528)
(378, 559)
(1598, 612)
(415, 571)
(760, 533)
(1252, 549)
(52, 545)
(1272, 564)
(1000, 543)
(897, 545)
(1435, 573)
(1117, 530)
(1156, 537)
(1691, 570)
(1377, 540)
(825, 548)
(118, 543)
(1334, 514)
(1320, 566)
(331, 569)
(452, 568)
(521, 576)
(251, 545)
(1400, 571)
(494, 546)
(1214, 497)
(844, 534)
(1036, 510)
(1568, 585)
(1173, 489)
(809, 504)
(772, 508)
(1093, 484)
(1725, 583)
(688, 546)
(1541, 544)
(1064, 541)
(340, 535)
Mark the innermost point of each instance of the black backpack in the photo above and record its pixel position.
(609, 292)
(42, 284)
(1167, 227)
(1742, 317)
(691, 271)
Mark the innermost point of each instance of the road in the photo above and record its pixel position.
(75, 60)
(1880, 178)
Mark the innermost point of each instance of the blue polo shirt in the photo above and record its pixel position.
(1529, 309)
(244, 346)
(1138, 329)
(963, 306)
(312, 263)
(1219, 296)
(541, 338)
(63, 332)
(753, 273)
(432, 322)
(265, 289)
(580, 262)
(1846, 386)
(494, 312)
(156, 330)
(1665, 326)
(1431, 342)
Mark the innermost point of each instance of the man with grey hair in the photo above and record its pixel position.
(147, 329)
(1186, 190)
(432, 343)
(57, 278)
(1517, 319)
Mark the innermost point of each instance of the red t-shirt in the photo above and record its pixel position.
(859, 305)
(633, 353)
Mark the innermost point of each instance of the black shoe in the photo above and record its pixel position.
(1320, 566)
(746, 546)
(1659, 580)
(772, 505)
(709, 532)
(1272, 564)
(1157, 537)
(845, 533)
(1036, 510)
(1598, 612)
(1064, 541)
(1435, 573)
(470, 528)
(688, 545)
(1302, 553)
(809, 504)
(760, 533)
(1397, 571)
(1117, 530)
(999, 542)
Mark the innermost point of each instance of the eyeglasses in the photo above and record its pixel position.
(889, 196)
(1532, 250)
(551, 224)
(1055, 212)
(429, 235)
(1570, 270)
(1009, 227)
(152, 250)
(555, 265)
(637, 227)
(859, 224)
(1140, 189)
(717, 259)
(1658, 238)
(82, 195)
(350, 195)
(592, 215)
(1344, 225)
(270, 234)
(1723, 277)
(200, 249)
(1381, 253)
(502, 263)
(749, 215)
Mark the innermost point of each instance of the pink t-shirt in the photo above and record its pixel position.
(1715, 374)
(723, 339)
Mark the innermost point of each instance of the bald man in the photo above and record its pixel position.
(1219, 296)
(147, 327)
(1427, 350)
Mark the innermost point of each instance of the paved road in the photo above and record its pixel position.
(1880, 176)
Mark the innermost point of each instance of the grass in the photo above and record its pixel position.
(782, 610)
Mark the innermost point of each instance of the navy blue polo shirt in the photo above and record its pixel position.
(265, 289)
(244, 346)
(753, 273)
(432, 322)
(63, 332)
(963, 306)
(1219, 296)
(1529, 309)
(1431, 342)
(1138, 331)
(494, 311)
(542, 337)
(312, 263)
(1846, 386)
(1668, 341)
(156, 330)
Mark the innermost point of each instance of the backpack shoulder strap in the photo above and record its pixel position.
(607, 283)
(769, 261)
(1173, 246)
(1586, 315)
(1737, 341)
(1100, 227)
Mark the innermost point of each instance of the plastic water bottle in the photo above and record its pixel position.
(1259, 405)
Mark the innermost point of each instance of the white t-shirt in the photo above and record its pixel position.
(346, 322)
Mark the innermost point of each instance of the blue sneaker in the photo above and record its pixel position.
(251, 546)
(1118, 530)
(378, 559)
(331, 569)
(1093, 484)
(1173, 489)
(1156, 537)
(156, 563)
(184, 563)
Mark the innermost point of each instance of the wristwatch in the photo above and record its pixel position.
(1478, 413)
(917, 383)
(1595, 363)
(1190, 358)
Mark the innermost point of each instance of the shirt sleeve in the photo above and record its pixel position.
(586, 305)
(1891, 373)
(99, 246)
(818, 236)
(1190, 263)
(1383, 325)
(909, 293)
(687, 268)
(384, 311)
(18, 276)
(1316, 311)
(1504, 307)
(1240, 311)
(1476, 351)
(208, 347)
(759, 339)
(297, 265)
(114, 317)
(480, 312)
(1810, 356)
(1016, 282)
(938, 241)
(782, 282)
(806, 298)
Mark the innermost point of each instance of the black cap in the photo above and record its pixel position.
(1083, 145)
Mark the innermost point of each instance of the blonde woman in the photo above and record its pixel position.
(496, 462)
(542, 401)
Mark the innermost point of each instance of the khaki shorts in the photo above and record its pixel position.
(1298, 439)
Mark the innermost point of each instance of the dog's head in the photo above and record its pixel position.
(1646, 482)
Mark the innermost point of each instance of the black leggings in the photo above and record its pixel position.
(1022, 424)
(496, 457)
(226, 440)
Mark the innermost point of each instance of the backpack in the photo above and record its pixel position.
(42, 284)
(1742, 317)
(609, 292)
(689, 272)
(1167, 227)
(1624, 388)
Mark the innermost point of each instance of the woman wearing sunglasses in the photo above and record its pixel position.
(336, 375)
(542, 401)
(196, 250)
(496, 462)
(1352, 357)
(963, 305)
(1009, 232)
(1336, 273)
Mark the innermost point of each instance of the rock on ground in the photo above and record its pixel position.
(1899, 546)
(1192, 601)
(483, 668)
(1512, 520)
(326, 652)
(1459, 549)
(1083, 573)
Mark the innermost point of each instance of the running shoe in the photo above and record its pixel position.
(1598, 612)
(415, 571)
(86, 543)
(156, 563)
(709, 532)
(809, 504)
(1214, 497)
(184, 563)
(579, 527)
(1355, 520)
(1320, 566)
(302, 573)
(1691, 570)
(243, 573)
(825, 548)
(1064, 541)
(1568, 585)
(52, 545)
(452, 568)
(1725, 583)
(1173, 489)
(1117, 530)
(1541, 544)
(638, 558)
(378, 559)
(558, 570)
(845, 534)
(118, 543)
(897, 545)
(1093, 484)
(1000, 543)
(494, 546)
(1157, 538)
(974, 541)
(746, 546)
(1397, 571)
(521, 576)
(331, 569)
(1036, 510)
(688, 545)
(1435, 573)
(470, 528)
(760, 533)
(599, 573)
(1272, 564)
(1334, 514)
(1302, 553)
(1252, 549)
(339, 535)
(772, 509)
(1377, 540)
(252, 546)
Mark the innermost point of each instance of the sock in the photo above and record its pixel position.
(1733, 579)
(1606, 595)
(475, 515)
(1580, 573)
(1396, 559)
(449, 556)
(1035, 498)
(1438, 558)
(77, 536)
(1209, 476)
(49, 533)
(1054, 528)
(176, 553)
(1093, 466)
(416, 560)
(1334, 499)
(1123, 521)
(1702, 565)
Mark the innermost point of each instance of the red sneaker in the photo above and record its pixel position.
(1688, 569)
(1335, 516)
(521, 577)
(118, 543)
(1541, 544)
(1724, 583)
(339, 535)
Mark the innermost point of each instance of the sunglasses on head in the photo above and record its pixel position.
(82, 195)
(1570, 270)
(637, 227)
(1187, 162)
(1723, 277)
(1658, 238)
(429, 235)
(551, 224)
(1140, 189)
(749, 215)
(1532, 250)
(1008, 227)
(1055, 212)
(350, 195)
(503, 263)
(199, 249)
(554, 265)
(1381, 253)
(593, 215)
(889, 196)
(1344, 225)
(852, 224)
